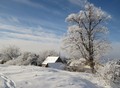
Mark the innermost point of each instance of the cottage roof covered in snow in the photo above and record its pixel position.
(51, 59)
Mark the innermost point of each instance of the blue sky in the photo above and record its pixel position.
(41, 23)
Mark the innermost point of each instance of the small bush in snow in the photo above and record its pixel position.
(25, 59)
(74, 69)
(111, 73)
(78, 66)
(9, 53)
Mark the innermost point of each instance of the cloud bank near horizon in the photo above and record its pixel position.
(28, 38)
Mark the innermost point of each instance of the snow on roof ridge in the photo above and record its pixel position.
(53, 56)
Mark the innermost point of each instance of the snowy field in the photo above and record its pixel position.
(37, 77)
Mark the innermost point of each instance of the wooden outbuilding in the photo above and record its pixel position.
(53, 61)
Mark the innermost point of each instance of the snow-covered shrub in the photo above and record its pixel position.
(25, 59)
(9, 53)
(32, 59)
(78, 66)
(3, 59)
(74, 69)
(111, 73)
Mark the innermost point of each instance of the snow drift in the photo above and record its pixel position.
(37, 77)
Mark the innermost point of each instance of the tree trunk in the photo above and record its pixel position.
(90, 51)
(92, 64)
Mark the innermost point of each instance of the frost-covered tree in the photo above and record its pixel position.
(86, 34)
(10, 53)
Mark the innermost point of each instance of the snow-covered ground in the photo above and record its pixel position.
(37, 77)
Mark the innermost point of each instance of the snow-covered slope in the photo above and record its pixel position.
(37, 77)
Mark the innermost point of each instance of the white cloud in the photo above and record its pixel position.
(31, 37)
(30, 46)
(26, 32)
(39, 5)
(5, 18)
(13, 22)
(30, 3)
(80, 3)
(14, 28)
(14, 19)
(27, 38)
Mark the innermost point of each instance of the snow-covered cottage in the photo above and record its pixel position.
(54, 62)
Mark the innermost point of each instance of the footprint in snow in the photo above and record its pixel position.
(7, 82)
